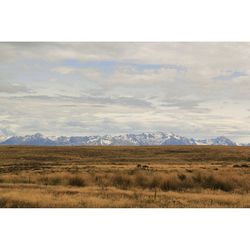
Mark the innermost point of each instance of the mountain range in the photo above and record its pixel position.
(142, 139)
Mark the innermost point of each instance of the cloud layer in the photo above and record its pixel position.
(196, 89)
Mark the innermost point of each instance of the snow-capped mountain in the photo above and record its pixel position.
(36, 139)
(143, 139)
(221, 140)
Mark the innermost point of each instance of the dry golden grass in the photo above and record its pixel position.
(177, 176)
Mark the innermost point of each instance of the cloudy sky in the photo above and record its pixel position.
(198, 90)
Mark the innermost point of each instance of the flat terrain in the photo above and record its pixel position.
(165, 176)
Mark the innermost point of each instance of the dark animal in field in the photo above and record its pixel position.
(143, 167)
(241, 166)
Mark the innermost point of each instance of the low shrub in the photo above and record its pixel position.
(121, 181)
(55, 181)
(77, 181)
(182, 177)
(154, 182)
(217, 182)
(141, 180)
(214, 182)
(171, 183)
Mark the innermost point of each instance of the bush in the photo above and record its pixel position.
(44, 180)
(214, 182)
(55, 181)
(218, 183)
(77, 181)
(154, 182)
(182, 177)
(121, 181)
(169, 184)
(142, 181)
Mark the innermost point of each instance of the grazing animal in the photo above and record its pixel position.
(236, 166)
(241, 166)
(245, 166)
(145, 167)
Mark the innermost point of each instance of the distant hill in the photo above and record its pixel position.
(143, 139)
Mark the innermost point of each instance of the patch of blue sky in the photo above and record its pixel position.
(230, 75)
(105, 66)
(149, 66)
(109, 66)
(26, 71)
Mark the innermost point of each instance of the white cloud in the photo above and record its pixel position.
(76, 88)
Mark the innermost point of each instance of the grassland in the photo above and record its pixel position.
(174, 176)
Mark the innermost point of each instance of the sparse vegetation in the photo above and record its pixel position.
(178, 176)
(77, 181)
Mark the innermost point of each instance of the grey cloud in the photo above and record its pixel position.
(96, 100)
(94, 126)
(13, 88)
(189, 105)
(5, 131)
(75, 124)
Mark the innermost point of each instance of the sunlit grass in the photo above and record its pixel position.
(90, 177)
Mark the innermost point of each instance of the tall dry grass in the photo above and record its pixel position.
(109, 177)
(173, 181)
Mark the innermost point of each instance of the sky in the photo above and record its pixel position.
(199, 90)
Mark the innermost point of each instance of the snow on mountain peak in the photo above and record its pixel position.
(146, 138)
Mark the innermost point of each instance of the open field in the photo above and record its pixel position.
(166, 176)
